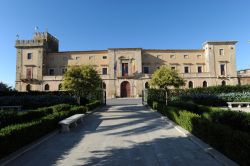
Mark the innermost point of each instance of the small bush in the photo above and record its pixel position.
(93, 105)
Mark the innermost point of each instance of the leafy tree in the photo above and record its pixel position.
(4, 87)
(165, 77)
(81, 80)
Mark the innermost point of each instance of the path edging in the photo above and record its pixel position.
(204, 146)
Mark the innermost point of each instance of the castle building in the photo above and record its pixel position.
(244, 77)
(125, 71)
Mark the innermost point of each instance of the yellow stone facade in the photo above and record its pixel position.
(124, 71)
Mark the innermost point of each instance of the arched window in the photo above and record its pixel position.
(223, 83)
(28, 87)
(60, 87)
(190, 84)
(146, 85)
(46, 87)
(204, 84)
(103, 85)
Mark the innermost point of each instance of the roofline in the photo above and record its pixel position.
(220, 42)
(75, 52)
(173, 50)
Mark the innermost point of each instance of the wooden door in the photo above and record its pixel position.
(125, 89)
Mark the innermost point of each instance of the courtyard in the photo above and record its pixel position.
(122, 133)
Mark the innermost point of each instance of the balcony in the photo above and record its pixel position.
(26, 78)
(53, 78)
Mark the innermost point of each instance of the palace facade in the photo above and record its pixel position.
(125, 71)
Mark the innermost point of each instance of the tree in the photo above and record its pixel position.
(4, 87)
(81, 80)
(165, 77)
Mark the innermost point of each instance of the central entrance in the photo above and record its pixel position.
(125, 89)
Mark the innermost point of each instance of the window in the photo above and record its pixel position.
(222, 69)
(186, 56)
(223, 83)
(124, 69)
(104, 71)
(28, 87)
(198, 56)
(190, 84)
(28, 73)
(78, 58)
(46, 87)
(64, 70)
(204, 84)
(146, 70)
(51, 72)
(29, 56)
(199, 69)
(173, 67)
(221, 51)
(104, 57)
(90, 57)
(172, 56)
(186, 69)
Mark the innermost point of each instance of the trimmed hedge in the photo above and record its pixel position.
(14, 117)
(15, 136)
(93, 105)
(233, 143)
(36, 101)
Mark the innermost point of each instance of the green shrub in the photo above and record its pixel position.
(93, 105)
(79, 109)
(36, 101)
(62, 107)
(14, 117)
(233, 143)
(15, 136)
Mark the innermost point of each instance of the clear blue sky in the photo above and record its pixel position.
(101, 24)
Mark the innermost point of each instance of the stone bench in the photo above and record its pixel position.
(238, 104)
(71, 120)
(18, 107)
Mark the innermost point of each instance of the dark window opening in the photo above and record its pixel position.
(222, 69)
(46, 87)
(190, 84)
(199, 69)
(204, 84)
(146, 70)
(186, 69)
(51, 72)
(104, 71)
(124, 69)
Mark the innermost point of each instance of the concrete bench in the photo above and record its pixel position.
(71, 120)
(238, 104)
(18, 107)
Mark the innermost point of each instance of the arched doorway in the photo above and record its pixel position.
(190, 84)
(146, 85)
(204, 84)
(125, 89)
(223, 83)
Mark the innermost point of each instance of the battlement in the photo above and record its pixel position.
(30, 43)
(40, 39)
(44, 36)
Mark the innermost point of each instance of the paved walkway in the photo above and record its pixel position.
(119, 135)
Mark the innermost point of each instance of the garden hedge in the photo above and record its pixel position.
(13, 137)
(233, 143)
